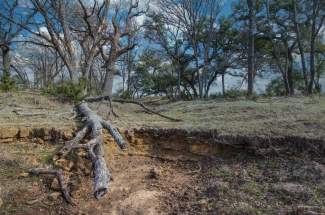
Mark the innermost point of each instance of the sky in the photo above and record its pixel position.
(227, 7)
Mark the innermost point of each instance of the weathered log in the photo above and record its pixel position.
(100, 98)
(95, 124)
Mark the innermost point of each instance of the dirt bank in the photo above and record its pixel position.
(169, 171)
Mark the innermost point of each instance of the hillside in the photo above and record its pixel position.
(229, 157)
(298, 116)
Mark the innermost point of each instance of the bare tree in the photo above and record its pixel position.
(9, 30)
(123, 24)
(316, 20)
(74, 31)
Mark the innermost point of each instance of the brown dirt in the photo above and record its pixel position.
(163, 183)
(205, 166)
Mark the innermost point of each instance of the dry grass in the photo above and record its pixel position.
(299, 116)
(56, 113)
(270, 117)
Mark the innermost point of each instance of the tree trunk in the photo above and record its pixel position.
(95, 125)
(108, 81)
(289, 75)
(251, 49)
(312, 51)
(300, 46)
(6, 62)
(223, 84)
(73, 69)
(178, 94)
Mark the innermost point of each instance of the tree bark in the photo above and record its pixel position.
(108, 81)
(223, 84)
(6, 62)
(251, 49)
(95, 125)
(291, 88)
(312, 50)
(300, 46)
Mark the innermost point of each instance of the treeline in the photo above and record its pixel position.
(174, 48)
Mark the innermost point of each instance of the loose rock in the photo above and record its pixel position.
(55, 185)
(289, 190)
(54, 196)
(23, 175)
(39, 141)
(64, 164)
(154, 173)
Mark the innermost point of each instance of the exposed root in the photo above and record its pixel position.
(93, 128)
(59, 175)
(94, 125)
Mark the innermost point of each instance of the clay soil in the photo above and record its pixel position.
(175, 181)
(236, 183)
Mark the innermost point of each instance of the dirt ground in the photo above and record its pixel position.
(232, 184)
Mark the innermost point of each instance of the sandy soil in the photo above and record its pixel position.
(233, 184)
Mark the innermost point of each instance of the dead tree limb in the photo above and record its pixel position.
(100, 98)
(94, 126)
(27, 114)
(59, 175)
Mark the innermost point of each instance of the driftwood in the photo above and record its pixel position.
(93, 125)
(100, 98)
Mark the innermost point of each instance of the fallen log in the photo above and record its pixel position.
(93, 126)
(100, 98)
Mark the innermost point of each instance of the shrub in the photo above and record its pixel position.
(68, 90)
(275, 88)
(124, 95)
(7, 84)
(235, 93)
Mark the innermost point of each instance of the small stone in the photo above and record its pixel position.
(55, 185)
(7, 140)
(291, 189)
(55, 158)
(23, 133)
(64, 164)
(8, 133)
(313, 171)
(33, 161)
(153, 173)
(39, 141)
(81, 153)
(23, 175)
(54, 196)
(67, 135)
(1, 202)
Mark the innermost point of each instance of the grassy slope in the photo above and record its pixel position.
(299, 116)
(278, 116)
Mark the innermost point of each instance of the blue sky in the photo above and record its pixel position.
(227, 7)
